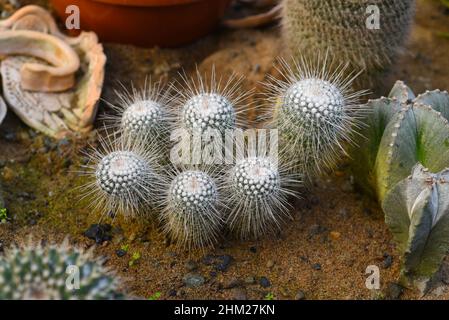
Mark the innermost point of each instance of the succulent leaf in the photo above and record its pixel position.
(417, 210)
(438, 100)
(415, 134)
(366, 149)
(401, 92)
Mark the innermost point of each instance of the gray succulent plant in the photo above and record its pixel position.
(403, 160)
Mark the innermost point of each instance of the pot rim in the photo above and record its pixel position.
(148, 3)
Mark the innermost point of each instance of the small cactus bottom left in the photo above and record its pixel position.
(55, 272)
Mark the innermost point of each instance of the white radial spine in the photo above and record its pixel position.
(316, 112)
(257, 191)
(124, 177)
(192, 209)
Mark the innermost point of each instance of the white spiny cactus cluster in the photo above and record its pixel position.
(315, 111)
(142, 117)
(142, 114)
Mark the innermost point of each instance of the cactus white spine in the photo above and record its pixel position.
(191, 215)
(256, 191)
(214, 104)
(36, 272)
(124, 178)
(142, 114)
(316, 112)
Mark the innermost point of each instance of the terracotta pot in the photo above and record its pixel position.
(165, 23)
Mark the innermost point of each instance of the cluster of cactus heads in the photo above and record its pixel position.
(193, 201)
(316, 113)
(403, 160)
(344, 28)
(314, 109)
(38, 272)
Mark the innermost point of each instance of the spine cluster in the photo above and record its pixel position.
(36, 272)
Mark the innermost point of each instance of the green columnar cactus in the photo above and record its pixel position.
(403, 135)
(36, 272)
(311, 26)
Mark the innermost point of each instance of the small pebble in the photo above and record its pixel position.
(388, 261)
(239, 294)
(99, 232)
(394, 291)
(343, 212)
(192, 280)
(284, 292)
(191, 265)
(270, 264)
(120, 253)
(335, 235)
(231, 283)
(8, 174)
(225, 261)
(250, 280)
(171, 293)
(264, 282)
(316, 266)
(300, 295)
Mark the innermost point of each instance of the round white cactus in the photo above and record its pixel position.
(316, 113)
(142, 114)
(191, 214)
(256, 191)
(204, 105)
(208, 111)
(36, 272)
(124, 178)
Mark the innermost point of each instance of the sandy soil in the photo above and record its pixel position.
(323, 253)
